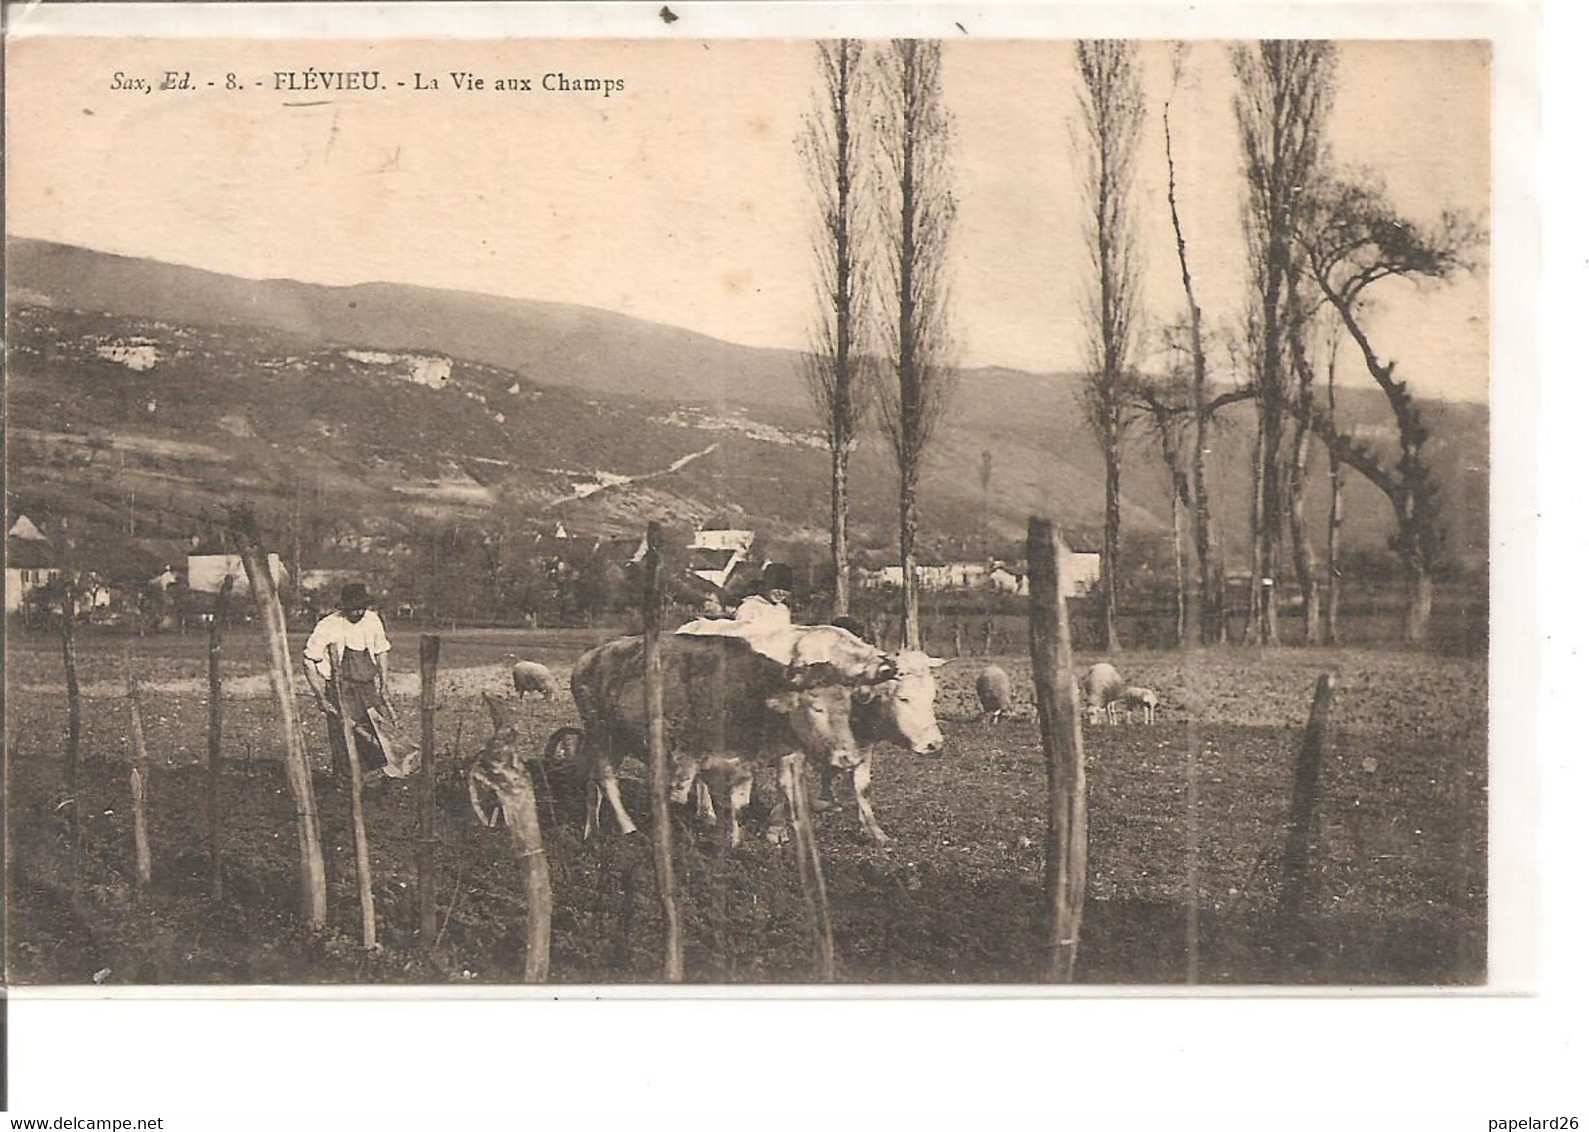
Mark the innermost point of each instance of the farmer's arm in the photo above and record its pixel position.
(317, 683)
(314, 654)
(380, 648)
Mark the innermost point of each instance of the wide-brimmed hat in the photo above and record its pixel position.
(354, 596)
(777, 576)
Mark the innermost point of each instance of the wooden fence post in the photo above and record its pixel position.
(1059, 713)
(273, 624)
(74, 704)
(429, 658)
(214, 736)
(497, 768)
(1305, 796)
(1194, 754)
(793, 773)
(361, 843)
(138, 780)
(656, 742)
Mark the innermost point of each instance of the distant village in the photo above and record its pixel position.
(556, 576)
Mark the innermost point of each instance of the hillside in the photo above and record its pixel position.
(152, 392)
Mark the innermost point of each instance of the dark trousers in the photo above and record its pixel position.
(362, 697)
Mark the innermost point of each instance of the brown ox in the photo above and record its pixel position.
(725, 706)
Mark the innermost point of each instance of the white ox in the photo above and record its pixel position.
(899, 710)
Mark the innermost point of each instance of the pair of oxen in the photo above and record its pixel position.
(728, 708)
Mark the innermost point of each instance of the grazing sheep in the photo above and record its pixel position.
(1100, 688)
(531, 677)
(994, 693)
(1145, 698)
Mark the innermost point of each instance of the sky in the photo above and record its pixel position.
(681, 199)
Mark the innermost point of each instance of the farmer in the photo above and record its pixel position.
(762, 619)
(355, 636)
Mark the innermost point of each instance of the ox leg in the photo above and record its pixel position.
(592, 806)
(825, 800)
(604, 786)
(739, 782)
(778, 821)
(705, 812)
(595, 759)
(863, 800)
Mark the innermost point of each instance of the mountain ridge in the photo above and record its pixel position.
(611, 392)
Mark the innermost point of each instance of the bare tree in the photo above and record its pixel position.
(1112, 111)
(1159, 401)
(1284, 91)
(1352, 239)
(1332, 552)
(837, 373)
(1208, 603)
(918, 209)
(1182, 417)
(1299, 313)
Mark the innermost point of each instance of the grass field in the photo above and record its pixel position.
(1397, 883)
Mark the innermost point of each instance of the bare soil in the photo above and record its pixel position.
(1396, 887)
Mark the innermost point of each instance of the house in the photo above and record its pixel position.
(209, 565)
(1078, 572)
(24, 528)
(716, 554)
(115, 571)
(1081, 569)
(713, 566)
(968, 575)
(929, 576)
(31, 563)
(726, 538)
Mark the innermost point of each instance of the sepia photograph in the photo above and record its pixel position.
(843, 513)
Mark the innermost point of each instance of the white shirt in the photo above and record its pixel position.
(336, 631)
(764, 624)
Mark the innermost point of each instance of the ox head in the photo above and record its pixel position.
(820, 719)
(904, 701)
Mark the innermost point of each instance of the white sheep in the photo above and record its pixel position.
(994, 692)
(531, 677)
(1100, 688)
(1145, 698)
